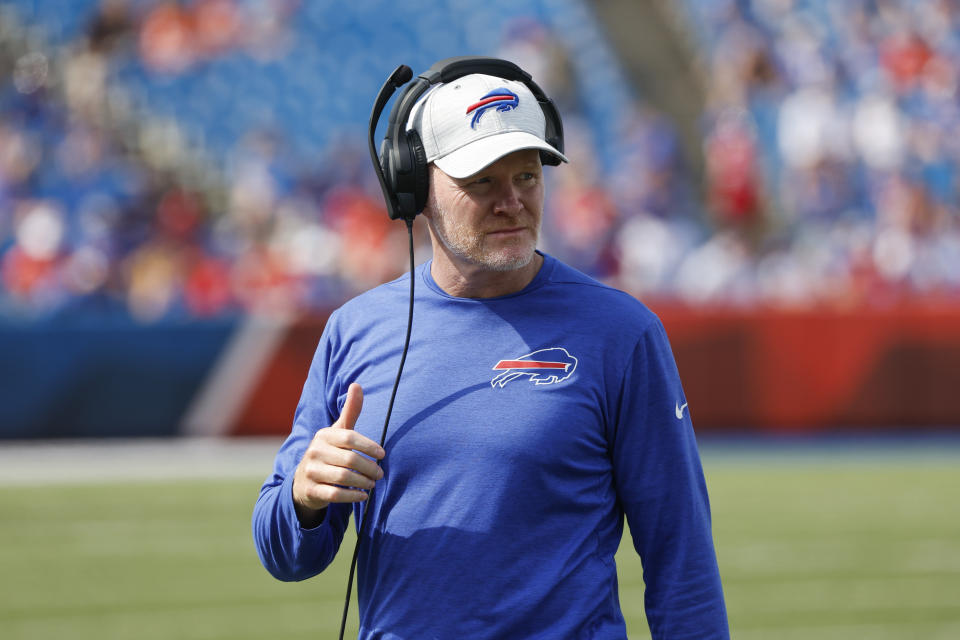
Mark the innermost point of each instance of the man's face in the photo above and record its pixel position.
(491, 219)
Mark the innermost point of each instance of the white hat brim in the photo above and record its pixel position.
(479, 154)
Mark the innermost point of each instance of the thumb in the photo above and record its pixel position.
(351, 407)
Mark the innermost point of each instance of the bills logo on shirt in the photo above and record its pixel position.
(545, 366)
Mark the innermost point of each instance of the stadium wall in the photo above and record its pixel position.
(816, 370)
(78, 378)
(783, 371)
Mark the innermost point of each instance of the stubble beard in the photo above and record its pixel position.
(470, 245)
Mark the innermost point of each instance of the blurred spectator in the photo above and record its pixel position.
(217, 25)
(903, 55)
(372, 247)
(174, 36)
(582, 223)
(167, 38)
(110, 27)
(733, 180)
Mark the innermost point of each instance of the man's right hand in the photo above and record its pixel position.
(332, 470)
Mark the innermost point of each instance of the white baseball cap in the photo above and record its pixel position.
(473, 121)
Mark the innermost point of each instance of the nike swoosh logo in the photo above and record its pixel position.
(680, 410)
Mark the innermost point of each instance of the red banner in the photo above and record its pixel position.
(786, 371)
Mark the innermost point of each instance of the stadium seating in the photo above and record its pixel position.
(839, 117)
(211, 85)
(177, 160)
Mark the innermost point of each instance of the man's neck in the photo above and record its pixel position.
(471, 281)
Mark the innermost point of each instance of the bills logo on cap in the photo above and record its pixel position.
(502, 99)
(546, 366)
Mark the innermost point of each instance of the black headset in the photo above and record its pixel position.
(402, 164)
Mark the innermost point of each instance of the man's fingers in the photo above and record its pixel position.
(326, 493)
(348, 495)
(351, 461)
(342, 476)
(351, 407)
(347, 439)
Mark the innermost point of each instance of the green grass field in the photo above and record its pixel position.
(810, 546)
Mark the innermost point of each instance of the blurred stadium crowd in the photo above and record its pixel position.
(178, 160)
(831, 139)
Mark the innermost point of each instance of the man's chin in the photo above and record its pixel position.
(509, 261)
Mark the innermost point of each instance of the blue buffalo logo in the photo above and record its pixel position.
(546, 366)
(500, 99)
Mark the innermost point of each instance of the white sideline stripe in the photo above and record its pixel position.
(39, 463)
(945, 630)
(217, 405)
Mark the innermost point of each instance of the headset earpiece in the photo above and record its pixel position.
(421, 174)
(407, 173)
(554, 131)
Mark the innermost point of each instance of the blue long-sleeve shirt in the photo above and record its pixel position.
(525, 429)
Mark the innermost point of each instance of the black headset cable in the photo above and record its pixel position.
(383, 437)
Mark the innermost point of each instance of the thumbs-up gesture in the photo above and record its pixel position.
(332, 469)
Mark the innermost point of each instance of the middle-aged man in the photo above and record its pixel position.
(538, 408)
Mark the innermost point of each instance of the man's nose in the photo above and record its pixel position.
(508, 199)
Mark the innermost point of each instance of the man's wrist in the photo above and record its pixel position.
(309, 518)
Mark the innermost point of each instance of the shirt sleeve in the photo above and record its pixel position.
(287, 550)
(660, 485)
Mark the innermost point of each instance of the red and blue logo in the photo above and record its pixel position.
(500, 99)
(545, 366)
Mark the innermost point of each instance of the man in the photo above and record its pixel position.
(538, 407)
